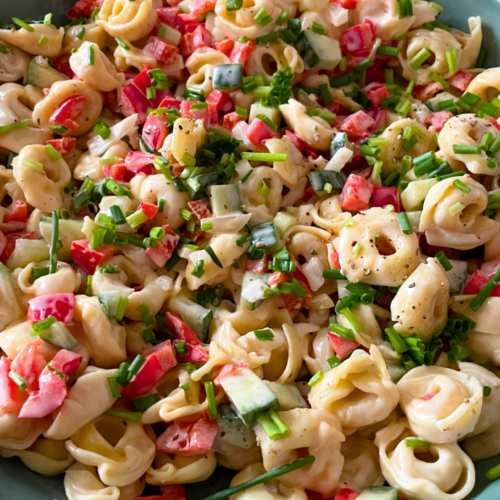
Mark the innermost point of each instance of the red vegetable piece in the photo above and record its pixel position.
(87, 258)
(11, 243)
(342, 346)
(154, 131)
(200, 6)
(461, 80)
(226, 45)
(168, 15)
(66, 362)
(426, 92)
(117, 171)
(259, 131)
(136, 162)
(201, 37)
(29, 364)
(334, 259)
(199, 209)
(222, 100)
(494, 122)
(296, 140)
(376, 92)
(3, 242)
(180, 328)
(194, 354)
(308, 195)
(187, 23)
(383, 196)
(256, 266)
(160, 254)
(357, 124)
(347, 494)
(357, 39)
(241, 52)
(134, 101)
(61, 64)
(347, 4)
(164, 353)
(83, 8)
(231, 119)
(187, 44)
(64, 145)
(147, 377)
(290, 301)
(439, 118)
(222, 373)
(174, 491)
(11, 397)
(17, 212)
(59, 305)
(209, 115)
(161, 50)
(356, 194)
(491, 267)
(189, 438)
(475, 283)
(149, 209)
(170, 102)
(67, 111)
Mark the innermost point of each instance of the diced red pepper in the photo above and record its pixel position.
(425, 92)
(357, 39)
(347, 4)
(170, 102)
(494, 122)
(29, 364)
(64, 145)
(168, 15)
(17, 212)
(491, 267)
(357, 124)
(67, 111)
(187, 44)
(66, 362)
(439, 118)
(10, 245)
(222, 373)
(383, 196)
(209, 115)
(334, 259)
(222, 100)
(187, 23)
(194, 354)
(290, 301)
(258, 131)
(160, 254)
(83, 8)
(308, 195)
(188, 438)
(376, 92)
(154, 131)
(180, 328)
(11, 397)
(199, 209)
(59, 305)
(231, 119)
(61, 64)
(461, 80)
(149, 209)
(164, 353)
(161, 50)
(201, 37)
(87, 258)
(356, 194)
(296, 140)
(226, 45)
(347, 494)
(475, 283)
(117, 171)
(136, 161)
(241, 52)
(276, 278)
(200, 6)
(342, 346)
(134, 101)
(173, 491)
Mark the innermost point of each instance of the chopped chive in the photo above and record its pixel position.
(113, 385)
(19, 381)
(324, 114)
(436, 6)
(363, 65)
(419, 59)
(52, 152)
(396, 340)
(22, 24)
(133, 416)
(246, 176)
(108, 161)
(282, 18)
(242, 112)
(262, 18)
(47, 19)
(404, 223)
(356, 249)
(57, 129)
(416, 443)
(460, 185)
(387, 51)
(4, 129)
(137, 218)
(400, 37)
(117, 214)
(486, 391)
(439, 79)
(38, 272)
(333, 361)
(91, 55)
(351, 318)
(206, 225)
(4, 49)
(122, 44)
(94, 13)
(456, 209)
(443, 260)
(273, 426)
(268, 122)
(81, 33)
(268, 157)
(333, 274)
(317, 28)
(479, 299)
(55, 244)
(451, 58)
(486, 141)
(466, 150)
(493, 473)
(198, 270)
(263, 189)
(318, 377)
(467, 101)
(232, 5)
(214, 257)
(42, 41)
(343, 332)
(453, 174)
(145, 402)
(404, 8)
(493, 162)
(264, 335)
(212, 403)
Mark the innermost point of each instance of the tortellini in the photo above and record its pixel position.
(328, 214)
(386, 256)
(20, 434)
(421, 304)
(200, 65)
(314, 431)
(485, 85)
(74, 39)
(441, 471)
(13, 64)
(359, 392)
(28, 40)
(442, 405)
(464, 228)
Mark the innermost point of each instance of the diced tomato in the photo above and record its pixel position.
(10, 245)
(475, 283)
(356, 194)
(209, 115)
(222, 100)
(83, 8)
(161, 50)
(180, 328)
(17, 212)
(199, 209)
(308, 195)
(222, 373)
(50, 395)
(257, 266)
(64, 145)
(154, 131)
(187, 44)
(357, 124)
(66, 362)
(160, 254)
(296, 140)
(439, 118)
(11, 397)
(164, 353)
(342, 346)
(168, 15)
(87, 258)
(59, 305)
(117, 171)
(68, 110)
(461, 80)
(226, 45)
(29, 364)
(173, 491)
(276, 278)
(334, 259)
(383, 196)
(187, 23)
(194, 354)
(231, 119)
(134, 101)
(149, 209)
(3, 242)
(425, 92)
(491, 267)
(494, 122)
(428, 396)
(200, 6)
(357, 39)
(376, 92)
(201, 37)
(290, 301)
(241, 52)
(135, 161)
(347, 4)
(347, 494)
(147, 377)
(61, 64)
(188, 438)
(258, 131)
(170, 102)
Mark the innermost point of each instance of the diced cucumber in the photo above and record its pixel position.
(10, 309)
(195, 316)
(264, 236)
(227, 76)
(396, 371)
(457, 276)
(110, 300)
(252, 289)
(60, 336)
(414, 195)
(339, 140)
(319, 178)
(169, 34)
(379, 493)
(273, 114)
(41, 75)
(433, 103)
(69, 231)
(202, 182)
(225, 199)
(234, 432)
(318, 51)
(414, 218)
(288, 395)
(249, 395)
(283, 221)
(27, 251)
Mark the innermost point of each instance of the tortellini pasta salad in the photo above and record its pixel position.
(256, 234)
